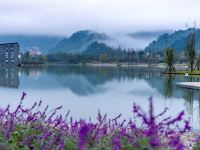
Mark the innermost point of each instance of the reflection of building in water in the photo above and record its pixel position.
(9, 77)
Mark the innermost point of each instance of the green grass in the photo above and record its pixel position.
(183, 72)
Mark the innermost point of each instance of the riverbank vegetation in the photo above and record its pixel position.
(34, 128)
(190, 53)
(104, 56)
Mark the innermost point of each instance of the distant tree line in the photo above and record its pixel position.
(100, 52)
(118, 56)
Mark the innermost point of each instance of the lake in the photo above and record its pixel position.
(85, 90)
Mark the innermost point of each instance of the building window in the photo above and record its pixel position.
(6, 54)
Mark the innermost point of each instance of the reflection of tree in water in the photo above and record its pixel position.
(188, 96)
(168, 86)
(89, 77)
(87, 80)
(198, 107)
(96, 75)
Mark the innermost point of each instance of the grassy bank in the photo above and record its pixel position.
(185, 72)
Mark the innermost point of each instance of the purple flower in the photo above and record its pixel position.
(23, 95)
(116, 143)
(54, 131)
(178, 118)
(61, 146)
(83, 134)
(46, 135)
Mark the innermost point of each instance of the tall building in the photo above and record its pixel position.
(9, 54)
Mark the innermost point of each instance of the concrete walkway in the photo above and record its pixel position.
(189, 85)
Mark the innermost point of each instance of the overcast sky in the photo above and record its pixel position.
(62, 17)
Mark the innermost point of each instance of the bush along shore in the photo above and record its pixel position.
(34, 128)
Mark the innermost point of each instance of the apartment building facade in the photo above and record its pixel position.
(9, 54)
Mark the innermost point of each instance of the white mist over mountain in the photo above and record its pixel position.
(127, 42)
(135, 40)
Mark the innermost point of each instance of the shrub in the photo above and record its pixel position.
(33, 128)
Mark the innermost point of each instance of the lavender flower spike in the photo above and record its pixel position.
(23, 95)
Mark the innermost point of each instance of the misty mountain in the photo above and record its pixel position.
(135, 40)
(43, 43)
(79, 41)
(176, 40)
(96, 49)
(148, 34)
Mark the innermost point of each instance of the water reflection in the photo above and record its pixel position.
(106, 84)
(168, 86)
(188, 96)
(84, 80)
(9, 77)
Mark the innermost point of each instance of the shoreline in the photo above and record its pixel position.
(179, 67)
(160, 65)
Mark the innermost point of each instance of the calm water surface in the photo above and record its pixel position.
(84, 90)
